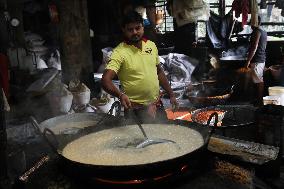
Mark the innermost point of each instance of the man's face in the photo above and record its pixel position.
(133, 32)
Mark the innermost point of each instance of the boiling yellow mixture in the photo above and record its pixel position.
(117, 146)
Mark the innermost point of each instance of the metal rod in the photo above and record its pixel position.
(147, 141)
(26, 175)
(134, 116)
(142, 130)
(232, 29)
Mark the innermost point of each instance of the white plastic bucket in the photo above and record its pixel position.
(60, 103)
(106, 107)
(277, 91)
(81, 98)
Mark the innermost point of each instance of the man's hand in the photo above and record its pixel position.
(124, 100)
(174, 102)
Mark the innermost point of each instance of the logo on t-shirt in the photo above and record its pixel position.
(148, 50)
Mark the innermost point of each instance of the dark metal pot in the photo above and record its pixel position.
(232, 62)
(203, 95)
(234, 115)
(129, 172)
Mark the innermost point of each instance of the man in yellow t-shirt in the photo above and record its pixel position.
(136, 64)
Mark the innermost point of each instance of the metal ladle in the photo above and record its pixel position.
(147, 141)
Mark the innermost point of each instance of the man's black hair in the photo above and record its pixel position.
(131, 17)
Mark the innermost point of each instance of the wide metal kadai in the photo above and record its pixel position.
(192, 172)
(112, 172)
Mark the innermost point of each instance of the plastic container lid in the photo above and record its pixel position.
(276, 90)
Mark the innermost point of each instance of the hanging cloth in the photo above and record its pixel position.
(241, 7)
(4, 75)
(219, 29)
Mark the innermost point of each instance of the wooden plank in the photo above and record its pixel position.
(246, 151)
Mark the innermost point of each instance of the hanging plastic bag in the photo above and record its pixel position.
(60, 100)
(54, 60)
(106, 55)
(6, 104)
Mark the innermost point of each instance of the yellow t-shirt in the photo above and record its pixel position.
(137, 70)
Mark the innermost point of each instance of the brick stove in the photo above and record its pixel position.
(217, 171)
(217, 174)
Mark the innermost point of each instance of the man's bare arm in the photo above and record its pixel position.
(110, 88)
(166, 86)
(253, 46)
(164, 81)
(107, 84)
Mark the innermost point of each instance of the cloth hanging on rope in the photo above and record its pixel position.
(4, 75)
(254, 13)
(246, 7)
(241, 7)
(219, 29)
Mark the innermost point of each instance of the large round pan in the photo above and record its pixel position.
(203, 95)
(70, 123)
(122, 173)
(228, 115)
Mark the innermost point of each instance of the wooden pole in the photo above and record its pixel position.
(3, 139)
(75, 41)
(3, 135)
